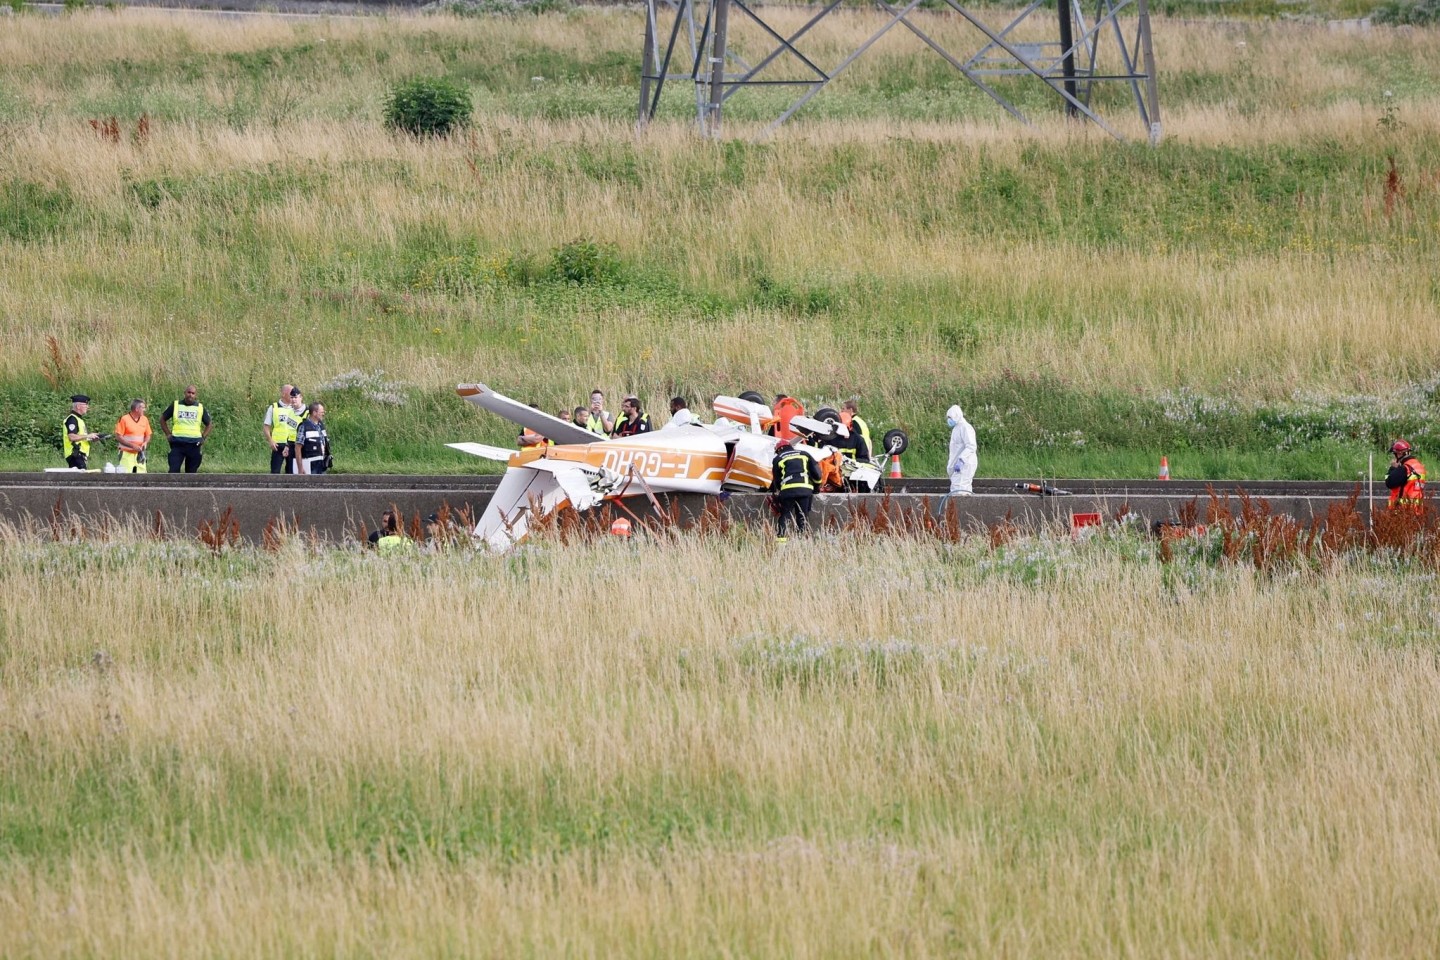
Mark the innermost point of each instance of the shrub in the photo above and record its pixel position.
(584, 262)
(29, 211)
(427, 106)
(484, 8)
(1416, 13)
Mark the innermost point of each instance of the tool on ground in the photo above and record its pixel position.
(1042, 490)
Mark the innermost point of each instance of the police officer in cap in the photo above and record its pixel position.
(75, 436)
(794, 477)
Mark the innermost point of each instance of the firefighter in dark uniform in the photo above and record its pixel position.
(794, 477)
(75, 437)
(850, 415)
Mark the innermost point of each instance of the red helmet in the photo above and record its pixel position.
(1400, 447)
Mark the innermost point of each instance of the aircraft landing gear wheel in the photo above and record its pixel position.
(828, 415)
(895, 442)
(753, 397)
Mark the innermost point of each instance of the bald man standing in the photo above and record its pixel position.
(187, 425)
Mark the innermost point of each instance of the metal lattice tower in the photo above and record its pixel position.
(1082, 52)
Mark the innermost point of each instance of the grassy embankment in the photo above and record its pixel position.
(1249, 298)
(1042, 750)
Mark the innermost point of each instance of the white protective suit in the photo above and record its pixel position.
(964, 453)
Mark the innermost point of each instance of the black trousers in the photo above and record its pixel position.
(187, 455)
(282, 458)
(795, 507)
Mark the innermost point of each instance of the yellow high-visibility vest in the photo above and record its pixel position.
(864, 432)
(83, 446)
(284, 422)
(188, 421)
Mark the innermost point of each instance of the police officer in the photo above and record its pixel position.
(312, 442)
(281, 422)
(794, 476)
(75, 437)
(187, 425)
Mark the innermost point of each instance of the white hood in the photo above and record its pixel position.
(955, 413)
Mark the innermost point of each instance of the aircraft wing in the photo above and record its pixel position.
(484, 450)
(506, 519)
(552, 428)
(542, 485)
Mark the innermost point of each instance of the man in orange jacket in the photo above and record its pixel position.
(1406, 478)
(132, 433)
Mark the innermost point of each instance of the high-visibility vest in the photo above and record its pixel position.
(864, 432)
(283, 423)
(801, 480)
(1413, 492)
(595, 424)
(83, 446)
(393, 543)
(188, 421)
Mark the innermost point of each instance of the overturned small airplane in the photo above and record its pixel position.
(581, 469)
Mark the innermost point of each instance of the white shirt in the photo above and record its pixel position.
(681, 418)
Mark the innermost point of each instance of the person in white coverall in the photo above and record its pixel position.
(963, 453)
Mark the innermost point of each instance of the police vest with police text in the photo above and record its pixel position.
(284, 421)
(187, 422)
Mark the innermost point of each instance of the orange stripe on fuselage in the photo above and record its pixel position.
(651, 462)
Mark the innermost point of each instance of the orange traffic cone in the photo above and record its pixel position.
(1164, 468)
(621, 527)
(895, 473)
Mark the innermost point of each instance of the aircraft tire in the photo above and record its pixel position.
(895, 442)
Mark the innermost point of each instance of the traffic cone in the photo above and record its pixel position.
(621, 527)
(895, 473)
(1164, 468)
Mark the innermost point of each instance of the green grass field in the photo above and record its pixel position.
(923, 749)
(698, 744)
(1250, 298)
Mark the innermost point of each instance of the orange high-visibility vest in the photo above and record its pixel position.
(1413, 493)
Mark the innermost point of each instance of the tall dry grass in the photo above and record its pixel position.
(1326, 307)
(700, 746)
(923, 244)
